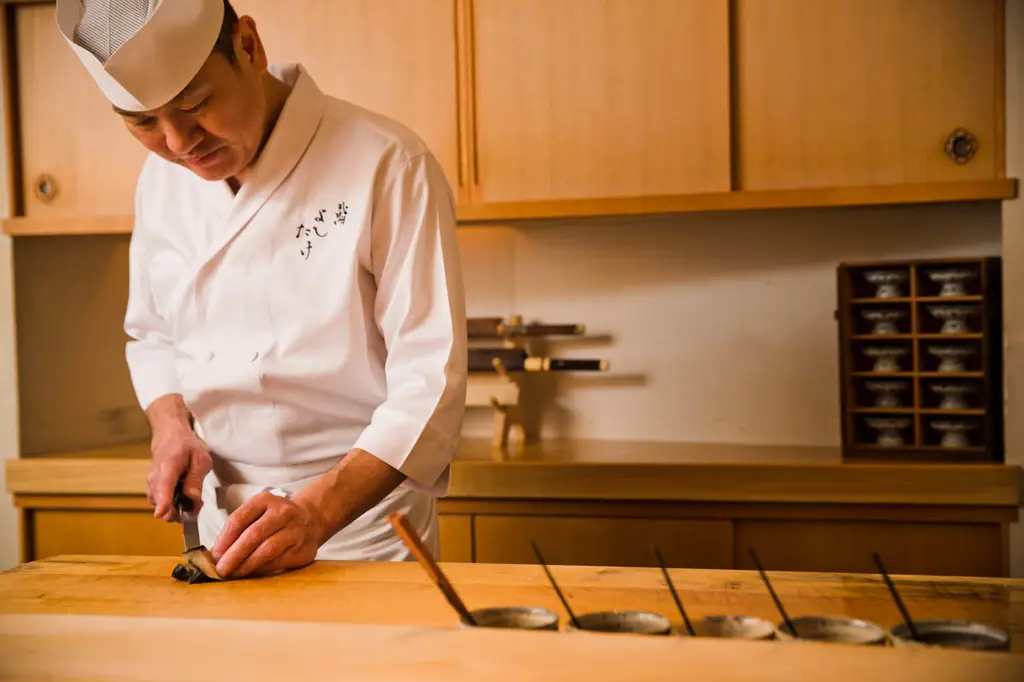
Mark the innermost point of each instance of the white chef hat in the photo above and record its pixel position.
(141, 53)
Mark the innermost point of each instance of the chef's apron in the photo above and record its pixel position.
(369, 538)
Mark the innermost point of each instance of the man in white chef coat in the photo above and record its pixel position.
(295, 307)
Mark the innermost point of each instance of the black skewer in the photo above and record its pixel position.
(572, 617)
(672, 589)
(896, 597)
(771, 591)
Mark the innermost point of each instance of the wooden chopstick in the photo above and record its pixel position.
(412, 540)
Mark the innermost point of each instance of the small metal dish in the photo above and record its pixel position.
(633, 622)
(834, 629)
(954, 634)
(735, 627)
(515, 617)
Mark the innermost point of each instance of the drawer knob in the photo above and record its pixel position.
(45, 188)
(961, 146)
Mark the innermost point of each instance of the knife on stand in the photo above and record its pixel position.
(517, 360)
(514, 327)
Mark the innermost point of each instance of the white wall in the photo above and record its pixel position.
(9, 553)
(721, 325)
(1013, 267)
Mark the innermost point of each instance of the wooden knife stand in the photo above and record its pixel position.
(499, 392)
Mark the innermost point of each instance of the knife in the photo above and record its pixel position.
(198, 557)
(189, 519)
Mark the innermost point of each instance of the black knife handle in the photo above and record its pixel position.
(180, 501)
(544, 364)
(557, 365)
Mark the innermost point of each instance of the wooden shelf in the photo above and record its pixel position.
(936, 412)
(881, 337)
(952, 337)
(883, 410)
(919, 299)
(68, 225)
(948, 299)
(952, 375)
(469, 214)
(884, 375)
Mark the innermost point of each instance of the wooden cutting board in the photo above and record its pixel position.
(401, 593)
(95, 648)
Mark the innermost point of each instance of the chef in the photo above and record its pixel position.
(296, 318)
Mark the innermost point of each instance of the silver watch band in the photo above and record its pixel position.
(277, 491)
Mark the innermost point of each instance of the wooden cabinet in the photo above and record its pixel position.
(392, 56)
(103, 531)
(605, 98)
(866, 92)
(603, 541)
(77, 156)
(455, 535)
(563, 108)
(913, 539)
(971, 549)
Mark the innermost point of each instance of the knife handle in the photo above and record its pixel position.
(180, 500)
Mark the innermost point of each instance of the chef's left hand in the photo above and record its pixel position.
(267, 534)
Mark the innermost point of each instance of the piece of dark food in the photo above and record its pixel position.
(190, 574)
(200, 559)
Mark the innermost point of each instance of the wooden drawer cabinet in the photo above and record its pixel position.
(455, 532)
(865, 92)
(93, 531)
(602, 98)
(596, 541)
(908, 548)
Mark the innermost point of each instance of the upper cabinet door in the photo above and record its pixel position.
(396, 57)
(77, 156)
(600, 98)
(866, 92)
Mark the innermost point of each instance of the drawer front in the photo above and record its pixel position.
(966, 549)
(81, 531)
(603, 541)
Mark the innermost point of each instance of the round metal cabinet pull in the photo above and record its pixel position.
(45, 188)
(961, 146)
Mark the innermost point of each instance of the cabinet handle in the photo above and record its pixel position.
(961, 146)
(45, 188)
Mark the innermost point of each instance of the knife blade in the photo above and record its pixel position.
(189, 519)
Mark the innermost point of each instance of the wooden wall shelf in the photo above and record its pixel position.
(473, 214)
(921, 350)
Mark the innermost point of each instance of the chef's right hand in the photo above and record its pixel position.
(177, 453)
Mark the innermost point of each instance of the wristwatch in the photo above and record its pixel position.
(277, 491)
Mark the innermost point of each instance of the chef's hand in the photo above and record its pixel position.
(176, 452)
(268, 534)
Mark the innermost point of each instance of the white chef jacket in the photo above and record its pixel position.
(318, 310)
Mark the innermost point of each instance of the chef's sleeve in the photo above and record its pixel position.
(420, 312)
(149, 352)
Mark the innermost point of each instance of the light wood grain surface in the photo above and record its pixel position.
(136, 650)
(400, 594)
(851, 92)
(600, 99)
(612, 470)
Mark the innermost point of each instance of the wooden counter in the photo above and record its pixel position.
(610, 470)
(605, 502)
(386, 621)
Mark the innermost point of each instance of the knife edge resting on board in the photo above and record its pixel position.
(200, 566)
